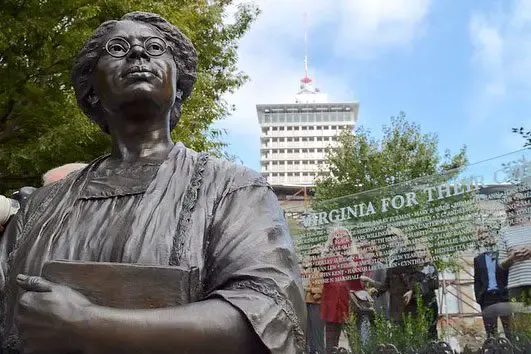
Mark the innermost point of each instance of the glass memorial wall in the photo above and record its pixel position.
(420, 261)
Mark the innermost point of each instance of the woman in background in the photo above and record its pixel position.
(399, 281)
(343, 260)
(375, 278)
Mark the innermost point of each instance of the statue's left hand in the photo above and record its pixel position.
(49, 315)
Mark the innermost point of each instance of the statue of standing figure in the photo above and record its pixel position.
(150, 202)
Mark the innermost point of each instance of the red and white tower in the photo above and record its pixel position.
(295, 136)
(307, 93)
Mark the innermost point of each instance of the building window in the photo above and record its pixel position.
(290, 140)
(290, 151)
(318, 127)
(289, 128)
(319, 138)
(304, 127)
(274, 128)
(334, 127)
(295, 128)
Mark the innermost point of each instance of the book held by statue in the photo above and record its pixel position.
(127, 286)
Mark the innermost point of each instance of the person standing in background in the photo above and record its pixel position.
(490, 287)
(399, 281)
(375, 277)
(336, 291)
(313, 289)
(514, 246)
(58, 173)
(428, 284)
(54, 175)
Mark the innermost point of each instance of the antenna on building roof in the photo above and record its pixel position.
(308, 93)
(306, 80)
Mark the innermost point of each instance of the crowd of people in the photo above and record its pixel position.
(393, 291)
(339, 289)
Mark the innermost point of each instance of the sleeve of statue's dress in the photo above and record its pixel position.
(251, 264)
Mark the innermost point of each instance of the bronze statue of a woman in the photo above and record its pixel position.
(150, 202)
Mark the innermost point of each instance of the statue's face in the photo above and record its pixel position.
(127, 75)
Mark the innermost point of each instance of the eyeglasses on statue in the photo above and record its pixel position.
(119, 47)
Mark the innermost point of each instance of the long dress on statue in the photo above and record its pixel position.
(189, 210)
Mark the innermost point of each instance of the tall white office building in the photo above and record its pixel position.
(294, 136)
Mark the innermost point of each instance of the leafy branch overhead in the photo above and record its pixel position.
(40, 124)
(525, 134)
(361, 162)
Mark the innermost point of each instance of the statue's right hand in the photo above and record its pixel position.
(49, 314)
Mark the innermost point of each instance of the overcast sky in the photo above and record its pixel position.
(461, 69)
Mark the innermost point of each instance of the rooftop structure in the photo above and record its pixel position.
(295, 136)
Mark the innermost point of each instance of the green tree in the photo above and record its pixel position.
(361, 163)
(525, 134)
(41, 126)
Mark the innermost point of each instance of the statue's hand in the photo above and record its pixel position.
(49, 316)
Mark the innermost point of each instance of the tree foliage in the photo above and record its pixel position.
(525, 134)
(41, 126)
(361, 162)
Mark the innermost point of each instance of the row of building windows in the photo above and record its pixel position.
(293, 162)
(307, 127)
(302, 139)
(290, 151)
(289, 174)
(302, 108)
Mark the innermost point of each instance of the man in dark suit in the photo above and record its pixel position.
(490, 287)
